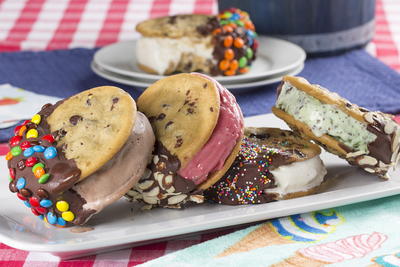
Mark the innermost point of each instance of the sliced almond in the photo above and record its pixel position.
(389, 127)
(176, 199)
(367, 160)
(155, 159)
(152, 193)
(197, 198)
(369, 117)
(354, 154)
(150, 200)
(146, 184)
(369, 170)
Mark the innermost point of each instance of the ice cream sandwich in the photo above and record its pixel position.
(368, 139)
(272, 164)
(78, 156)
(216, 45)
(198, 127)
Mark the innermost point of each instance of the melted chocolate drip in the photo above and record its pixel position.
(64, 172)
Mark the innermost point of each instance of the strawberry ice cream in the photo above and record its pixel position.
(227, 133)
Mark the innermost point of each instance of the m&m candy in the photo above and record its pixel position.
(62, 205)
(15, 151)
(36, 119)
(15, 140)
(68, 216)
(21, 182)
(38, 149)
(50, 152)
(32, 133)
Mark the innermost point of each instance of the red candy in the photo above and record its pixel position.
(255, 44)
(34, 202)
(31, 161)
(21, 197)
(49, 138)
(24, 145)
(12, 173)
(16, 130)
(26, 122)
(41, 210)
(35, 212)
(15, 140)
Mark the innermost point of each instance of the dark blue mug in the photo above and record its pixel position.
(319, 26)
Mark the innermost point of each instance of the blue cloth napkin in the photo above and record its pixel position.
(355, 75)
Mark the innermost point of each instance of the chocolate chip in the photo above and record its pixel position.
(179, 141)
(348, 105)
(88, 102)
(21, 165)
(172, 20)
(161, 116)
(26, 192)
(187, 92)
(205, 85)
(211, 109)
(42, 193)
(75, 119)
(115, 101)
(190, 110)
(168, 124)
(12, 187)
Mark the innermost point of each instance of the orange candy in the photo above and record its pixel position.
(234, 65)
(228, 41)
(39, 171)
(216, 31)
(249, 25)
(238, 42)
(9, 155)
(243, 70)
(227, 28)
(229, 54)
(22, 130)
(224, 64)
(233, 25)
(229, 73)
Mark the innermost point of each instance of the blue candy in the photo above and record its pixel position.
(235, 16)
(27, 204)
(46, 203)
(50, 152)
(28, 152)
(39, 149)
(51, 218)
(41, 217)
(21, 183)
(61, 221)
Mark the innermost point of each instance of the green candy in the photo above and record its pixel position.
(249, 53)
(37, 165)
(227, 15)
(43, 179)
(239, 23)
(11, 179)
(15, 151)
(242, 62)
(224, 22)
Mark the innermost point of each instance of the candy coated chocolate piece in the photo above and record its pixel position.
(32, 133)
(50, 152)
(29, 152)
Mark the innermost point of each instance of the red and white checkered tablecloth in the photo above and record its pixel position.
(62, 24)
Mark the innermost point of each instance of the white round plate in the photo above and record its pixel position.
(274, 56)
(244, 86)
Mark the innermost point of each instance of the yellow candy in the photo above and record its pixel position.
(62, 205)
(32, 133)
(68, 216)
(36, 119)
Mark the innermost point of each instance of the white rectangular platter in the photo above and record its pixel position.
(124, 224)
